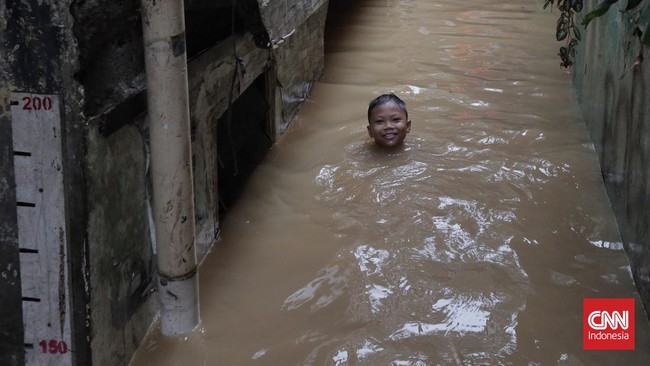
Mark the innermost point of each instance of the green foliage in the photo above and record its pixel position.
(631, 4)
(567, 30)
(600, 10)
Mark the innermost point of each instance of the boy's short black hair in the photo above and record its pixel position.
(387, 98)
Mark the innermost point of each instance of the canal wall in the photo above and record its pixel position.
(612, 91)
(250, 66)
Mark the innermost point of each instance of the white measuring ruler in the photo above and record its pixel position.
(42, 238)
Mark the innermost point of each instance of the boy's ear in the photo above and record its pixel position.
(369, 131)
(408, 126)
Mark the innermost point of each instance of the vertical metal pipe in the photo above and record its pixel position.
(171, 167)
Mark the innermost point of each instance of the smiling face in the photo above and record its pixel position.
(388, 125)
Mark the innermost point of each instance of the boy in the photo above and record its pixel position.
(388, 121)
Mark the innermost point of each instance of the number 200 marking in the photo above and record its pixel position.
(37, 103)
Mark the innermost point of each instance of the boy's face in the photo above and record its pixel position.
(388, 125)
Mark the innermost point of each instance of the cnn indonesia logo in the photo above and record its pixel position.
(608, 324)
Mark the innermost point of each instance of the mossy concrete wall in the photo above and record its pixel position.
(612, 89)
(121, 262)
(38, 54)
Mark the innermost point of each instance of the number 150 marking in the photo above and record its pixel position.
(53, 346)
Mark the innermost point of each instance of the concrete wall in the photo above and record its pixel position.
(615, 102)
(39, 55)
(122, 267)
(92, 50)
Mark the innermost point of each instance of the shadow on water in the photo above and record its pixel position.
(340, 13)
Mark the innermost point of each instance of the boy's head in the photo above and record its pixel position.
(388, 121)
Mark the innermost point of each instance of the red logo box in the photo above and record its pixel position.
(608, 324)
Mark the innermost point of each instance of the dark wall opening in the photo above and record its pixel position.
(208, 23)
(242, 141)
(206, 26)
(339, 13)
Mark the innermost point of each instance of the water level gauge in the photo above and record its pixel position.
(42, 239)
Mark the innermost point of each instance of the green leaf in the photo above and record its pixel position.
(576, 33)
(576, 5)
(562, 29)
(631, 4)
(600, 10)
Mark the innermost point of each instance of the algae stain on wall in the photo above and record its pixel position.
(616, 108)
(122, 270)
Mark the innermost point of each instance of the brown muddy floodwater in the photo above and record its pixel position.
(474, 245)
